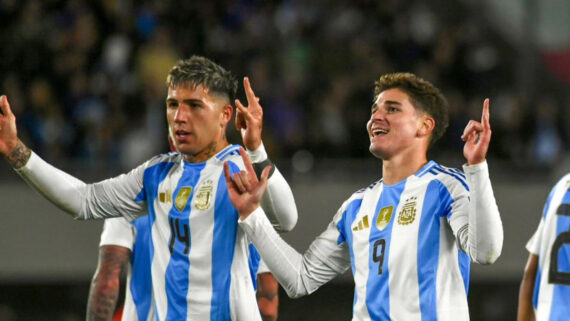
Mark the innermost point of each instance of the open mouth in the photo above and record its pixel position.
(378, 131)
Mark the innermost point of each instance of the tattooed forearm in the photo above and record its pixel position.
(19, 156)
(101, 307)
(104, 290)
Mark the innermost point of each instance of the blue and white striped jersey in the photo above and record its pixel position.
(138, 305)
(551, 243)
(406, 243)
(199, 257)
(200, 265)
(405, 260)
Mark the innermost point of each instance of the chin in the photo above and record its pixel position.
(377, 152)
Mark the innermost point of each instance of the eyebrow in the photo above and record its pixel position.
(387, 102)
(186, 101)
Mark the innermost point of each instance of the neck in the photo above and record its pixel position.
(397, 168)
(207, 152)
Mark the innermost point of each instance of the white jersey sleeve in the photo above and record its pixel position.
(278, 201)
(298, 274)
(118, 231)
(475, 218)
(113, 197)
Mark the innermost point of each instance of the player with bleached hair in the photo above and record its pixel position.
(200, 257)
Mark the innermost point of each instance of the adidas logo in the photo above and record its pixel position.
(362, 224)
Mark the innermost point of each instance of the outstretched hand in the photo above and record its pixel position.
(477, 136)
(249, 120)
(244, 189)
(8, 132)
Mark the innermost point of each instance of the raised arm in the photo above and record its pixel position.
(482, 238)
(82, 201)
(15, 152)
(278, 202)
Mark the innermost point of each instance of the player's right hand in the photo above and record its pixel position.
(8, 132)
(244, 189)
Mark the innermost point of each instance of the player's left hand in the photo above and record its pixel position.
(249, 120)
(244, 189)
(477, 136)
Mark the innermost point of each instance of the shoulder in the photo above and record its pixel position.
(170, 157)
(451, 178)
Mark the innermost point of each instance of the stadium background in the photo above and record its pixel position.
(86, 81)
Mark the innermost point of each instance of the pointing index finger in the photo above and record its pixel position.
(5, 106)
(485, 115)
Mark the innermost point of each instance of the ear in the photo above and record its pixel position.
(426, 126)
(226, 114)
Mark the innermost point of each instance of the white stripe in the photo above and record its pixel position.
(403, 257)
(160, 236)
(201, 231)
(243, 304)
(450, 289)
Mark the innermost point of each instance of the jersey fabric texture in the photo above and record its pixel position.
(200, 262)
(138, 305)
(404, 243)
(551, 243)
(405, 261)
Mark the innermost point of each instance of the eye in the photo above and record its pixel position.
(171, 104)
(391, 110)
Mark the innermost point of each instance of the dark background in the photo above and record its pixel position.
(86, 82)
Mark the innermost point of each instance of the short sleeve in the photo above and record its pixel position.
(118, 231)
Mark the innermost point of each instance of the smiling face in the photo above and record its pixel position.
(396, 127)
(197, 120)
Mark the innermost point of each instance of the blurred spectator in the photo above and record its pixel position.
(86, 78)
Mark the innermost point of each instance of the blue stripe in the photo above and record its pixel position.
(225, 230)
(428, 247)
(176, 275)
(548, 200)
(560, 309)
(141, 283)
(228, 150)
(461, 180)
(465, 268)
(536, 291)
(377, 285)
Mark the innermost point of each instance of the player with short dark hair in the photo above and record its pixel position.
(409, 238)
(200, 268)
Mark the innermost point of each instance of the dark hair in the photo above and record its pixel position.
(423, 96)
(199, 70)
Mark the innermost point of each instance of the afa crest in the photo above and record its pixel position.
(182, 198)
(408, 213)
(204, 196)
(384, 217)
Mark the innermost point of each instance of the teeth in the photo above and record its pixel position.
(379, 131)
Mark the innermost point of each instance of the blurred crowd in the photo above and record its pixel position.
(86, 79)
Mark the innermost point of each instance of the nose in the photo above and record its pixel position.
(181, 114)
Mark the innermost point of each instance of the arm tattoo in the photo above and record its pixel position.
(104, 290)
(19, 156)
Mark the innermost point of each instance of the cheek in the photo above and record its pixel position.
(368, 125)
